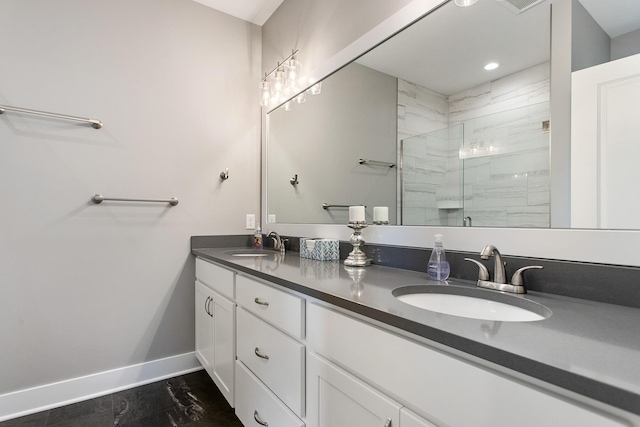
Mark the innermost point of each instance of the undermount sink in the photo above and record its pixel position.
(472, 303)
(250, 252)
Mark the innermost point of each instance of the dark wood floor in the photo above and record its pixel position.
(188, 400)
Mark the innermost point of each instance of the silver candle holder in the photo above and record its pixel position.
(357, 258)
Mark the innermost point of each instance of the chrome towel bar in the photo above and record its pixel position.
(328, 206)
(96, 124)
(97, 198)
(376, 163)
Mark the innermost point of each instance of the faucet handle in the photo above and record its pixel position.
(483, 274)
(517, 279)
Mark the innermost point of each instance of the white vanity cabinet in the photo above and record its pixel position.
(448, 391)
(294, 361)
(336, 398)
(216, 325)
(271, 356)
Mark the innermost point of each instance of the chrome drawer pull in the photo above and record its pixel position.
(388, 423)
(257, 301)
(260, 355)
(258, 420)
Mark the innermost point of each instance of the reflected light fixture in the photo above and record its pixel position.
(491, 66)
(465, 3)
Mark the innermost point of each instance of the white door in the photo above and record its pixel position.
(605, 145)
(336, 398)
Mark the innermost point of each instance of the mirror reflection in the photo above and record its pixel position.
(418, 125)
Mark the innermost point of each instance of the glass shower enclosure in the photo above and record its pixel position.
(489, 171)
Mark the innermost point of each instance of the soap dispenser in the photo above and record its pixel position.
(257, 238)
(438, 267)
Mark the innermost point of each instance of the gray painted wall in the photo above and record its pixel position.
(590, 43)
(625, 45)
(320, 29)
(355, 116)
(86, 288)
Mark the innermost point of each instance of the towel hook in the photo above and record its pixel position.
(224, 175)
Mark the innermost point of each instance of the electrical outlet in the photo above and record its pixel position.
(251, 222)
(271, 219)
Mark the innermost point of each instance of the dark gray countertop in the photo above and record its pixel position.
(587, 347)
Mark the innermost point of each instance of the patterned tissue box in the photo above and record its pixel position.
(319, 249)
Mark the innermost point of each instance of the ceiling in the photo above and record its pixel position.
(255, 11)
(446, 51)
(616, 17)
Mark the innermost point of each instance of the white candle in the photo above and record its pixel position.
(356, 213)
(380, 214)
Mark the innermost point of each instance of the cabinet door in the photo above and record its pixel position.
(215, 338)
(336, 398)
(224, 345)
(204, 326)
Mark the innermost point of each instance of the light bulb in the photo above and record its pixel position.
(465, 3)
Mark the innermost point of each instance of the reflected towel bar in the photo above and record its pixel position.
(328, 206)
(96, 124)
(97, 198)
(376, 163)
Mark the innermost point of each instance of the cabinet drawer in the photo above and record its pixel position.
(217, 278)
(439, 384)
(256, 402)
(281, 309)
(275, 358)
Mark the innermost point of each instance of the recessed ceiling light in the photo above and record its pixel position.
(491, 66)
(465, 3)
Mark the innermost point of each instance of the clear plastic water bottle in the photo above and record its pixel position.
(438, 267)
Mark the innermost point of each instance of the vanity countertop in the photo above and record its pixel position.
(587, 347)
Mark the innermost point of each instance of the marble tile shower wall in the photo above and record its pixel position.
(505, 154)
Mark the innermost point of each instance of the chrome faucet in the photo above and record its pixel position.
(499, 273)
(278, 242)
(499, 282)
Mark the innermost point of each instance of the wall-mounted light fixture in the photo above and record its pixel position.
(282, 82)
(285, 81)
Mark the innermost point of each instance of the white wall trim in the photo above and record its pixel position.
(41, 398)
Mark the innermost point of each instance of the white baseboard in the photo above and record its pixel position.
(41, 398)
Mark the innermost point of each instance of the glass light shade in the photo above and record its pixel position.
(277, 82)
(292, 72)
(288, 106)
(302, 98)
(265, 93)
(315, 89)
